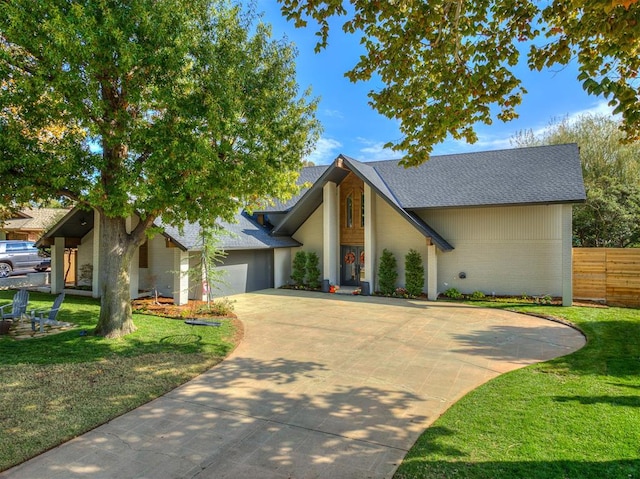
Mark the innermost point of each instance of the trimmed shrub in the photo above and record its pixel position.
(477, 295)
(387, 273)
(453, 293)
(313, 270)
(413, 273)
(299, 268)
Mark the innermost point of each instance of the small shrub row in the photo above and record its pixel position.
(453, 293)
(388, 275)
(306, 270)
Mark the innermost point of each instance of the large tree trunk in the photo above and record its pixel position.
(116, 250)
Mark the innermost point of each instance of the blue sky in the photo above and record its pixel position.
(353, 128)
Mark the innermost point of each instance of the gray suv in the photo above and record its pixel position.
(18, 255)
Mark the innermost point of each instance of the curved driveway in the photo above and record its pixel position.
(323, 386)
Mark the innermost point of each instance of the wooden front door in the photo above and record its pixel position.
(351, 265)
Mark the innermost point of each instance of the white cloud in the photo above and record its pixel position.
(484, 143)
(326, 151)
(375, 150)
(503, 140)
(332, 113)
(600, 108)
(597, 109)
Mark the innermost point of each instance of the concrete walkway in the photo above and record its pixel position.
(323, 386)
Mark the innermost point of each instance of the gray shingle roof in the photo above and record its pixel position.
(545, 174)
(245, 233)
(35, 219)
(538, 175)
(310, 175)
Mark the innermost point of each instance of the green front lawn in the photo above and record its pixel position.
(59, 386)
(576, 417)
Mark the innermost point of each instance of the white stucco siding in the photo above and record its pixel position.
(196, 280)
(507, 250)
(281, 266)
(396, 234)
(85, 256)
(160, 271)
(310, 236)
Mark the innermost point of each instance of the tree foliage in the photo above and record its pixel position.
(448, 64)
(601, 151)
(211, 256)
(611, 216)
(156, 108)
(611, 171)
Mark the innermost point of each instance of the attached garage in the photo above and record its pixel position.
(245, 271)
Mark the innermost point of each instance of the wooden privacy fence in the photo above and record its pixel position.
(611, 275)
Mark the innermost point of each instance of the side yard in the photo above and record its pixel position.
(56, 387)
(575, 417)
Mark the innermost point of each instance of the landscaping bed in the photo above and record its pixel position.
(166, 308)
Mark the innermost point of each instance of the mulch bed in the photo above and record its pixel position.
(166, 308)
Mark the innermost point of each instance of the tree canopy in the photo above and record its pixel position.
(449, 64)
(184, 111)
(611, 171)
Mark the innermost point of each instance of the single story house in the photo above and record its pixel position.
(499, 222)
(30, 223)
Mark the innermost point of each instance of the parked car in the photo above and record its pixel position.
(18, 255)
(44, 265)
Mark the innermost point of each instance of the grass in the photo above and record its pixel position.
(59, 386)
(575, 417)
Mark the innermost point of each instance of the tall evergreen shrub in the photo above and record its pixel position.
(413, 273)
(313, 270)
(387, 272)
(299, 268)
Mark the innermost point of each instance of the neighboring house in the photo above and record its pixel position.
(30, 223)
(497, 222)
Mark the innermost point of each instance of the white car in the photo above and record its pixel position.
(18, 255)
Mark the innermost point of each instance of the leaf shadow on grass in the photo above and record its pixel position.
(181, 339)
(81, 345)
(621, 469)
(630, 401)
(431, 459)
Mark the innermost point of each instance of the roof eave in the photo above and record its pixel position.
(489, 205)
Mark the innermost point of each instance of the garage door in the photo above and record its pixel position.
(245, 271)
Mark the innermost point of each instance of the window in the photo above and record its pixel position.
(143, 255)
(362, 210)
(16, 247)
(349, 211)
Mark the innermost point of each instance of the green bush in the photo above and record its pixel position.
(453, 293)
(387, 274)
(313, 270)
(477, 295)
(413, 273)
(299, 268)
(222, 307)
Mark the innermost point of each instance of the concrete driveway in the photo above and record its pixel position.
(323, 386)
